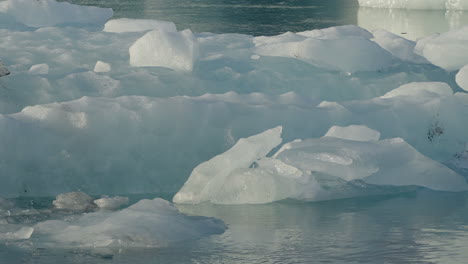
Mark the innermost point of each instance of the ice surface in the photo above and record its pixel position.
(448, 50)
(111, 203)
(102, 67)
(148, 223)
(39, 69)
(90, 143)
(46, 13)
(212, 174)
(421, 89)
(136, 25)
(353, 132)
(416, 4)
(399, 47)
(462, 78)
(346, 50)
(320, 169)
(175, 50)
(74, 201)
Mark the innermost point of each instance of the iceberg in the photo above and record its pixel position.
(416, 4)
(318, 169)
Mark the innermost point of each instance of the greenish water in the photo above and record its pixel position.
(254, 17)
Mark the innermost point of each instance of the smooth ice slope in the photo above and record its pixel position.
(136, 25)
(148, 223)
(211, 174)
(47, 13)
(320, 169)
(416, 4)
(175, 50)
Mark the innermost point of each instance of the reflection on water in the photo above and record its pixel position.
(411, 24)
(416, 227)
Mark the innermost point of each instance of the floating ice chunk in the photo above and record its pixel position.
(399, 47)
(321, 168)
(448, 50)
(111, 203)
(102, 67)
(39, 69)
(421, 89)
(416, 4)
(3, 70)
(136, 25)
(78, 201)
(347, 54)
(354, 132)
(46, 13)
(148, 223)
(462, 78)
(22, 233)
(175, 50)
(207, 177)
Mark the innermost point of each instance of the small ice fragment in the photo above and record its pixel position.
(255, 57)
(78, 201)
(39, 69)
(111, 203)
(102, 67)
(136, 25)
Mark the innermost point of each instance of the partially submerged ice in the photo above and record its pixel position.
(145, 224)
(148, 223)
(346, 162)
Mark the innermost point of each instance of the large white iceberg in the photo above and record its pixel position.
(316, 169)
(46, 13)
(416, 4)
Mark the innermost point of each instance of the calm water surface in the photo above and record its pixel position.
(415, 227)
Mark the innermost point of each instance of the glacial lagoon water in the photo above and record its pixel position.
(420, 226)
(415, 227)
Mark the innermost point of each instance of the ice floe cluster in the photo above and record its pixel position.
(126, 106)
(147, 223)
